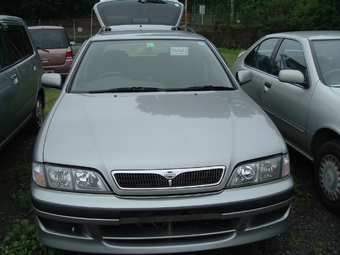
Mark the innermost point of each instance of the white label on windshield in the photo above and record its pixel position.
(179, 51)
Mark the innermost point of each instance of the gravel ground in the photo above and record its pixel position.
(312, 229)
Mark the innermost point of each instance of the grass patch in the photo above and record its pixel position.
(295, 239)
(51, 96)
(301, 188)
(230, 55)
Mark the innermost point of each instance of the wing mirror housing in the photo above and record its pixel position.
(51, 80)
(244, 76)
(292, 76)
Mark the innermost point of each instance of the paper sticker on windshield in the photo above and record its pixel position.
(150, 45)
(179, 51)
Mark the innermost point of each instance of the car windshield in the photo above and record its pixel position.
(139, 12)
(149, 65)
(328, 60)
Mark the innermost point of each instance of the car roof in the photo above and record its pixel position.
(310, 35)
(7, 18)
(146, 34)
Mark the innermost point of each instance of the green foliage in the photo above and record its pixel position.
(278, 15)
(295, 239)
(315, 15)
(300, 187)
(23, 240)
(49, 9)
(230, 55)
(21, 193)
(51, 96)
(268, 15)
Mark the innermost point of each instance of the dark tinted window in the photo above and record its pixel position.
(14, 44)
(50, 38)
(289, 56)
(259, 58)
(139, 12)
(4, 58)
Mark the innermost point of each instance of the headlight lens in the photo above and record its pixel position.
(66, 178)
(261, 171)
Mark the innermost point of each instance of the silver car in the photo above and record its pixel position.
(152, 147)
(296, 80)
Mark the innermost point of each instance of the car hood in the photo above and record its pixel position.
(157, 130)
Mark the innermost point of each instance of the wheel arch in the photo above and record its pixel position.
(322, 136)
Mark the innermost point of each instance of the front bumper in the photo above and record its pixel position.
(100, 223)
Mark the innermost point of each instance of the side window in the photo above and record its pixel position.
(259, 58)
(4, 60)
(16, 42)
(289, 56)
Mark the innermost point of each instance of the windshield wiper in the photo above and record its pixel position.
(152, 1)
(202, 88)
(126, 89)
(39, 48)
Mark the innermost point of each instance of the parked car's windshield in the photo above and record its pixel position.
(328, 60)
(149, 64)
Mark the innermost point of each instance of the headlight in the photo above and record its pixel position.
(66, 178)
(261, 171)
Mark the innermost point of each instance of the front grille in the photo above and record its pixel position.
(166, 179)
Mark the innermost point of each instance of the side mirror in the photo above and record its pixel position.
(291, 76)
(244, 76)
(51, 80)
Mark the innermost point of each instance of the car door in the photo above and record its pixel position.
(19, 78)
(258, 60)
(286, 103)
(10, 94)
(28, 65)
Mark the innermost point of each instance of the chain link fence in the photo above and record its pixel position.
(215, 28)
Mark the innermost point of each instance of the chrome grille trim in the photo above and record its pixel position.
(168, 178)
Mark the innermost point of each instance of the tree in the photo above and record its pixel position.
(278, 15)
(315, 14)
(31, 10)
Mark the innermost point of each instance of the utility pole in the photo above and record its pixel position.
(232, 11)
(186, 12)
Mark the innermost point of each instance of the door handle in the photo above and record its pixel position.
(267, 86)
(14, 78)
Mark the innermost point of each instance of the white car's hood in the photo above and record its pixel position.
(157, 130)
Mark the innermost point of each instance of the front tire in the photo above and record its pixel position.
(38, 115)
(327, 175)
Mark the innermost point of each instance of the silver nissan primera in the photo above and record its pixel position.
(152, 147)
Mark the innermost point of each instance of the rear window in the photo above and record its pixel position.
(50, 38)
(139, 12)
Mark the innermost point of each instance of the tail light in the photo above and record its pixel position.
(69, 53)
